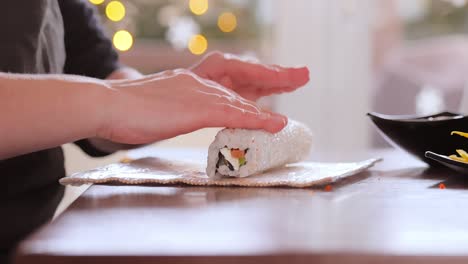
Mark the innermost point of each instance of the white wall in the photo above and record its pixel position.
(333, 39)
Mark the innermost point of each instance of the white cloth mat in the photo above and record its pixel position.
(158, 171)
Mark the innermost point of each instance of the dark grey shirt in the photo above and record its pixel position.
(45, 36)
(32, 36)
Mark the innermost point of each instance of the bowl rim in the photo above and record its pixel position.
(418, 118)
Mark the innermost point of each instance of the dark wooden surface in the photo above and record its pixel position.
(393, 213)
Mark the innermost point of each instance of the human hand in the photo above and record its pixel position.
(249, 79)
(171, 103)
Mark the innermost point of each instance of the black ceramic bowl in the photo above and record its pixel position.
(418, 134)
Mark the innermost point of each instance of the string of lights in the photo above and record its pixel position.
(195, 42)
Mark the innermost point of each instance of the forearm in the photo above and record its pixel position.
(44, 111)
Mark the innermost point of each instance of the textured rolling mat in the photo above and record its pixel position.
(155, 171)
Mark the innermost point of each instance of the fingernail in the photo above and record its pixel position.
(265, 115)
(300, 67)
(280, 118)
(301, 75)
(277, 123)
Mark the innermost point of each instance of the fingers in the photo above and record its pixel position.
(244, 72)
(253, 93)
(237, 118)
(244, 114)
(265, 76)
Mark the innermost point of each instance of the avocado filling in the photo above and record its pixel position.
(231, 158)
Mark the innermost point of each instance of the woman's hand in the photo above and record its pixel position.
(43, 111)
(251, 80)
(171, 103)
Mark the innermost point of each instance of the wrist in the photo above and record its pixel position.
(98, 107)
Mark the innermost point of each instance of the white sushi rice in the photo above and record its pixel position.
(265, 150)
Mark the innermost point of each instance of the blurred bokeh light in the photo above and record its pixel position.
(198, 7)
(180, 30)
(96, 2)
(227, 22)
(198, 44)
(115, 11)
(122, 40)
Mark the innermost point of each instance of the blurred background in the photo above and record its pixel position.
(389, 56)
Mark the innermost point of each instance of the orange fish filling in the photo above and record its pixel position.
(237, 153)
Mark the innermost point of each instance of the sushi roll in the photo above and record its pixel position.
(243, 152)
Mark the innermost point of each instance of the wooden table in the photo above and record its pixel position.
(394, 213)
